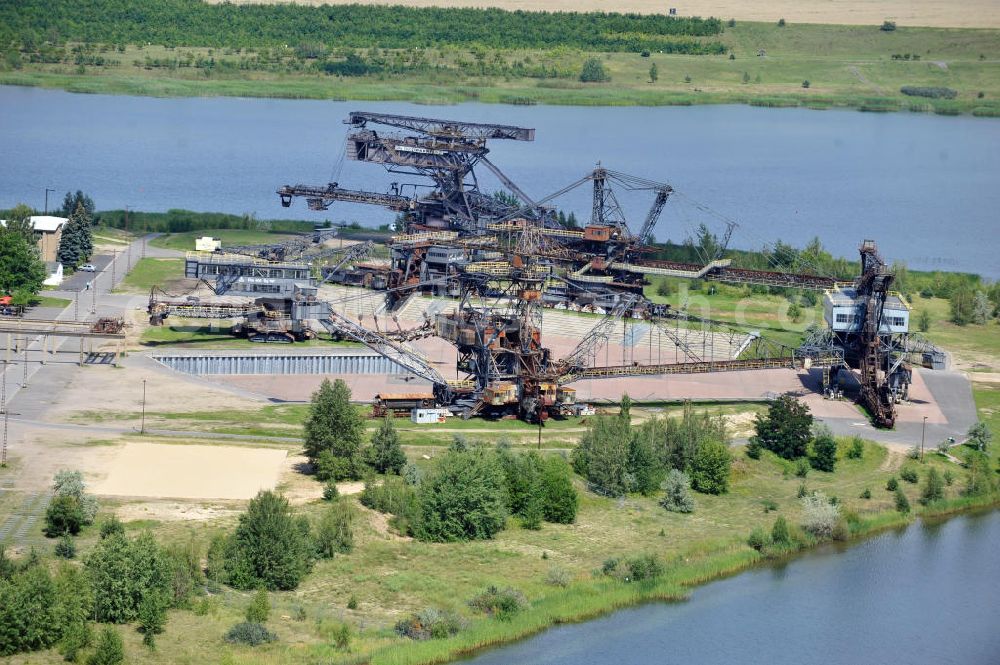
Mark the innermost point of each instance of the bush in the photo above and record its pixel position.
(806, 84)
(462, 498)
(931, 92)
(633, 569)
(593, 71)
(559, 498)
(710, 468)
(70, 483)
(65, 548)
(867, 494)
(335, 531)
(857, 448)
(110, 649)
(892, 484)
(754, 448)
(780, 534)
(112, 526)
(63, 516)
(949, 477)
(251, 634)
(430, 623)
(152, 617)
(887, 26)
(352, 602)
(259, 608)
(391, 494)
(558, 576)
(769, 505)
(341, 636)
(123, 573)
(819, 516)
(270, 548)
(824, 457)
(801, 468)
(330, 491)
(913, 452)
(781, 23)
(500, 603)
(385, 454)
(758, 539)
(802, 491)
(902, 503)
(677, 498)
(933, 489)
(909, 474)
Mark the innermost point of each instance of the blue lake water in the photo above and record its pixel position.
(926, 187)
(926, 595)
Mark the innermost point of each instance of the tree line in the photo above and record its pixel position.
(195, 23)
(467, 494)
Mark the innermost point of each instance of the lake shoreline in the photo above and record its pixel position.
(321, 89)
(598, 598)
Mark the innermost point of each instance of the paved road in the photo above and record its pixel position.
(953, 393)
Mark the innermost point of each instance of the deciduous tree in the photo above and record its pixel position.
(270, 547)
(785, 430)
(334, 426)
(462, 498)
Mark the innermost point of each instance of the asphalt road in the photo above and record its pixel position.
(79, 280)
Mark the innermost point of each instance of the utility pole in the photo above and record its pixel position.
(3, 405)
(24, 382)
(47, 190)
(142, 425)
(128, 261)
(93, 300)
(923, 430)
(114, 257)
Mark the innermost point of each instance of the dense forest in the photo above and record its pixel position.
(29, 24)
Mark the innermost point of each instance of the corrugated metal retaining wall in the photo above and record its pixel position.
(279, 364)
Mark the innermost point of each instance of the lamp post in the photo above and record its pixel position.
(923, 430)
(47, 190)
(142, 424)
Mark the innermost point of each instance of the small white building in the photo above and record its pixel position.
(207, 244)
(843, 311)
(428, 416)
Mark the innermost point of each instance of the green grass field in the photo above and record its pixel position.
(49, 301)
(147, 273)
(184, 242)
(391, 576)
(844, 65)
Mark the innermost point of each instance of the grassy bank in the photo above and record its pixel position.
(389, 576)
(845, 66)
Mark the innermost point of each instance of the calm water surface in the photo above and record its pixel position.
(926, 187)
(924, 596)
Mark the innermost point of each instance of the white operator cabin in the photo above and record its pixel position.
(844, 311)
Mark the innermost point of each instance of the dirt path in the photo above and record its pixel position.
(861, 77)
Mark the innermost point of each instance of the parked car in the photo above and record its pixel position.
(87, 267)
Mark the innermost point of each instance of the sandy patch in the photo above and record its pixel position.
(968, 14)
(192, 472)
(165, 511)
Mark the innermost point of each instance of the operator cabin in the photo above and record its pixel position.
(49, 230)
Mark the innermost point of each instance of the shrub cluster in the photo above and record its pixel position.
(500, 603)
(633, 569)
(929, 91)
(430, 623)
(251, 634)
